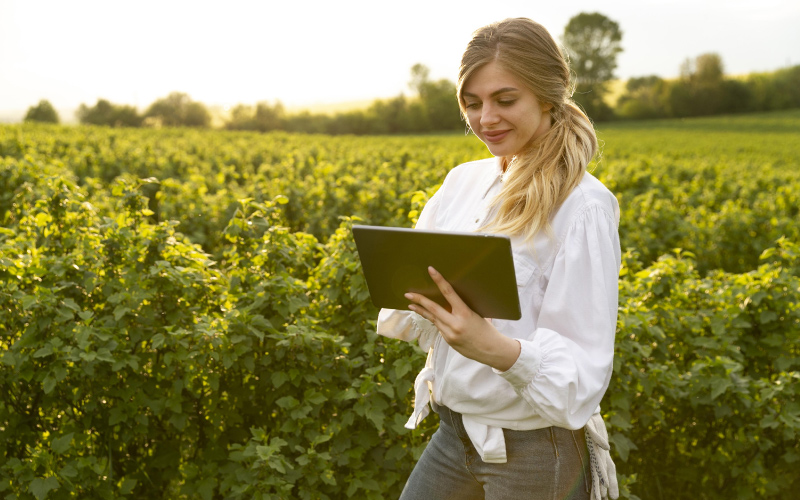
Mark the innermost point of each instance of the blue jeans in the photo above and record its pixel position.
(550, 463)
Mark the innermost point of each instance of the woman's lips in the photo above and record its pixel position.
(496, 135)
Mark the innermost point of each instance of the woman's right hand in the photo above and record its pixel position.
(463, 329)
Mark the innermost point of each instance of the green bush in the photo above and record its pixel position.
(106, 113)
(171, 328)
(134, 367)
(704, 391)
(43, 112)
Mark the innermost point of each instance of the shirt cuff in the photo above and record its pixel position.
(524, 369)
(426, 331)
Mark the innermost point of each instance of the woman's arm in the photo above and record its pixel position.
(564, 369)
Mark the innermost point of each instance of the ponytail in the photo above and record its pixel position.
(539, 179)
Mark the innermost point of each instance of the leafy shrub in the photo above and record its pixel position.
(106, 113)
(187, 336)
(136, 368)
(704, 391)
(43, 112)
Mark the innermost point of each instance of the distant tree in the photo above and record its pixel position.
(701, 89)
(643, 98)
(196, 115)
(439, 99)
(439, 105)
(42, 112)
(705, 69)
(776, 90)
(106, 113)
(269, 117)
(360, 122)
(709, 69)
(394, 114)
(241, 118)
(419, 78)
(592, 41)
(177, 109)
(306, 122)
(263, 117)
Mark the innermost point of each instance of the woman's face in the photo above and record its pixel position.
(502, 112)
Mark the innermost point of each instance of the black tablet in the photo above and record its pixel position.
(479, 266)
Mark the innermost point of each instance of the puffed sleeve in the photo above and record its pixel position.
(407, 325)
(564, 369)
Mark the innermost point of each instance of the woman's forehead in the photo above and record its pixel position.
(489, 80)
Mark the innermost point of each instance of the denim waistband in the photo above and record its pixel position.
(454, 420)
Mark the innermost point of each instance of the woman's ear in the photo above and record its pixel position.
(546, 106)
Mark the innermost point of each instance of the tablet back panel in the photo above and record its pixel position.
(480, 267)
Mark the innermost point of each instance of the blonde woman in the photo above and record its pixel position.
(518, 401)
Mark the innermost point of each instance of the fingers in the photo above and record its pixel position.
(431, 310)
(446, 288)
(425, 307)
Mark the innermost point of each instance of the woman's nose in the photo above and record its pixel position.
(489, 115)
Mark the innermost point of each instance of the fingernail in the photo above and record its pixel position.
(408, 296)
(432, 270)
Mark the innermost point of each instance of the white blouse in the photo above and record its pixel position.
(568, 290)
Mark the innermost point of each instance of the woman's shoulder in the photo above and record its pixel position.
(589, 193)
(592, 190)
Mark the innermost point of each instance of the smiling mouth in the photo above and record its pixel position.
(496, 136)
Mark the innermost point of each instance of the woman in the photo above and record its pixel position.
(513, 396)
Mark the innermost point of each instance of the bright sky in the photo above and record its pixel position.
(307, 52)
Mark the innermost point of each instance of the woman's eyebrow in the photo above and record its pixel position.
(495, 93)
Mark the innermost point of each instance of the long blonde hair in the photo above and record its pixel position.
(538, 179)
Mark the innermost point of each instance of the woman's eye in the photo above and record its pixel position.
(473, 105)
(507, 102)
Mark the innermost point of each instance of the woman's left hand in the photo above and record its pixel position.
(463, 329)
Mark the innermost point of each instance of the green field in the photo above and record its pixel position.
(182, 313)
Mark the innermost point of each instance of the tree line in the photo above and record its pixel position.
(592, 42)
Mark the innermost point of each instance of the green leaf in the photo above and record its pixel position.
(127, 485)
(718, 386)
(48, 384)
(117, 415)
(120, 311)
(28, 301)
(41, 487)
(179, 421)
(68, 471)
(70, 304)
(43, 219)
(287, 402)
(44, 351)
(314, 397)
(622, 445)
(279, 378)
(61, 445)
(158, 340)
(620, 423)
(767, 317)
